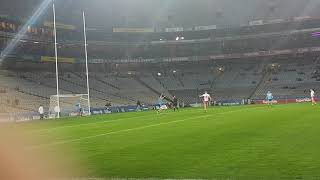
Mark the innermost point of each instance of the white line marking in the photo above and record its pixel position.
(114, 132)
(92, 123)
(86, 124)
(131, 129)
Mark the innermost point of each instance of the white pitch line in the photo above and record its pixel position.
(114, 132)
(92, 123)
(85, 124)
(131, 129)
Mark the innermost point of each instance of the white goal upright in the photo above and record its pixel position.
(68, 105)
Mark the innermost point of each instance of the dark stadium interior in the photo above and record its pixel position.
(276, 34)
(145, 56)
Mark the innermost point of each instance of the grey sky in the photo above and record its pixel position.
(147, 13)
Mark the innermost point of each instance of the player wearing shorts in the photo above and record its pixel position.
(269, 98)
(161, 103)
(206, 98)
(313, 97)
(175, 103)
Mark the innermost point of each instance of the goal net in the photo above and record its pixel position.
(70, 105)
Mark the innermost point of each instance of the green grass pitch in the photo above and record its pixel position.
(247, 142)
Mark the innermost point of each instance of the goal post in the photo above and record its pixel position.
(66, 105)
(60, 102)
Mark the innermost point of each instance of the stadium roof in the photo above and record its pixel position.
(172, 13)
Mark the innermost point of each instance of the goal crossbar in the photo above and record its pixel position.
(69, 105)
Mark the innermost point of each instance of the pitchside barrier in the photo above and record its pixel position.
(118, 109)
(29, 116)
(285, 101)
(20, 117)
(225, 103)
(256, 101)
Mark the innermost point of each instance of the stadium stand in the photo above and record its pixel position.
(232, 64)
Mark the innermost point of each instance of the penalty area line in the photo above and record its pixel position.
(114, 132)
(132, 129)
(86, 124)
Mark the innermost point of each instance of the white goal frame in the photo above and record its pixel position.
(56, 98)
(69, 105)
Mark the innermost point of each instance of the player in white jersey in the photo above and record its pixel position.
(41, 112)
(313, 97)
(206, 98)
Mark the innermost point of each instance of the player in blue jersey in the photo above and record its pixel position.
(80, 111)
(269, 98)
(161, 103)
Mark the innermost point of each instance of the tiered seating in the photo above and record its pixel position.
(152, 82)
(291, 81)
(26, 91)
(131, 87)
(170, 82)
(190, 96)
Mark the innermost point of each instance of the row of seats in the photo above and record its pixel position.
(26, 91)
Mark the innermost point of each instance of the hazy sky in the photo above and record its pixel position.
(147, 13)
